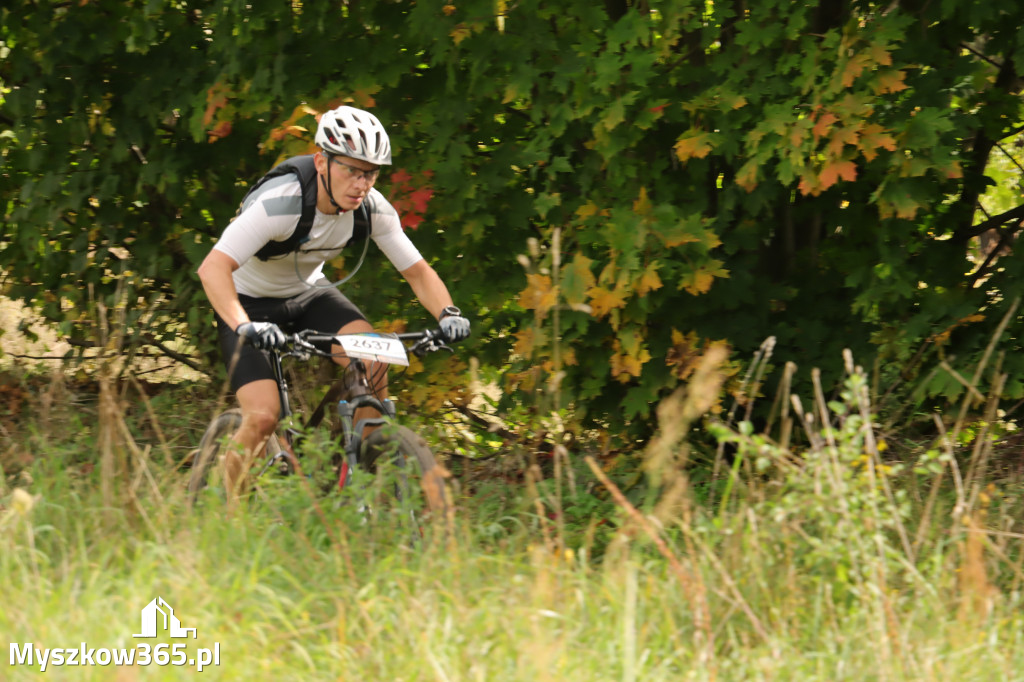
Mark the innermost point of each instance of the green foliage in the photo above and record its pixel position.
(712, 173)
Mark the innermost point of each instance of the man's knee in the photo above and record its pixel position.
(260, 422)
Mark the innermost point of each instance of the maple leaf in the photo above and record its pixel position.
(628, 362)
(854, 67)
(603, 301)
(459, 33)
(809, 184)
(577, 278)
(891, 81)
(587, 210)
(879, 53)
(223, 129)
(400, 177)
(642, 206)
(874, 137)
(420, 198)
(649, 281)
(682, 356)
(747, 176)
(841, 137)
(833, 171)
(216, 98)
(524, 342)
(693, 144)
(539, 294)
(823, 124)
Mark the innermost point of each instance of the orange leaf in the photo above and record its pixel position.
(216, 98)
(823, 124)
(831, 173)
(841, 137)
(880, 54)
(875, 137)
(854, 67)
(223, 129)
(747, 176)
(809, 184)
(891, 81)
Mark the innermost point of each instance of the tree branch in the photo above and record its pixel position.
(992, 223)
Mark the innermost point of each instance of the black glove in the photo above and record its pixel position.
(453, 324)
(262, 335)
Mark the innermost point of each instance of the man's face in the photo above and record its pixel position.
(350, 180)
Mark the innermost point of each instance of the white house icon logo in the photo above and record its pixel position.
(151, 620)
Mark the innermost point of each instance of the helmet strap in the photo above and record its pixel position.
(327, 185)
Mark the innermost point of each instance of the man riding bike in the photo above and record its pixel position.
(255, 296)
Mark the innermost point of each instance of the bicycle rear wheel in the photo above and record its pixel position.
(412, 474)
(212, 446)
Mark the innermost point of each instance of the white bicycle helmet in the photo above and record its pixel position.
(354, 133)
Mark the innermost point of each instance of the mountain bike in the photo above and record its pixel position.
(391, 446)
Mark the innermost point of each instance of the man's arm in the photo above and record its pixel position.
(428, 287)
(215, 274)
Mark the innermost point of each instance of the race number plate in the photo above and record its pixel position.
(374, 347)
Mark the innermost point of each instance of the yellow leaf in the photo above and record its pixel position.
(459, 33)
(587, 210)
(524, 342)
(649, 281)
(629, 362)
(642, 206)
(693, 144)
(701, 283)
(603, 301)
(538, 295)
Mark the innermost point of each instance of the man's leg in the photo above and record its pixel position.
(261, 406)
(378, 376)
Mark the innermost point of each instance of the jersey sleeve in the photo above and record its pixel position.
(389, 236)
(272, 215)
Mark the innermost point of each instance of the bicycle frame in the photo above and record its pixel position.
(356, 391)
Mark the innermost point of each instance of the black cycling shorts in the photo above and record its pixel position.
(326, 310)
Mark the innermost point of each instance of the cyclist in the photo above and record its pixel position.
(257, 299)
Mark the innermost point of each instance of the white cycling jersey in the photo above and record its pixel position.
(273, 214)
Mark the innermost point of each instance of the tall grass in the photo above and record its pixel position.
(819, 557)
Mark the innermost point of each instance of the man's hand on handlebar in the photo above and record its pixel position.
(453, 324)
(262, 335)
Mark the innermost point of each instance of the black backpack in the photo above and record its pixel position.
(304, 168)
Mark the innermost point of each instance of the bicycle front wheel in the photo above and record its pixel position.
(214, 443)
(406, 465)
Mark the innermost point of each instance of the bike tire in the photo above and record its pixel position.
(400, 446)
(211, 447)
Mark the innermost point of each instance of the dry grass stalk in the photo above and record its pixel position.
(977, 594)
(692, 586)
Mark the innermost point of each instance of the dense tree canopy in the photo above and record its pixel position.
(692, 172)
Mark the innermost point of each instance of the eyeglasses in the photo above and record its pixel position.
(357, 173)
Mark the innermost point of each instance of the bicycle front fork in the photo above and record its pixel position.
(352, 434)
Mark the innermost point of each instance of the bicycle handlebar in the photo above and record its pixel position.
(426, 341)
